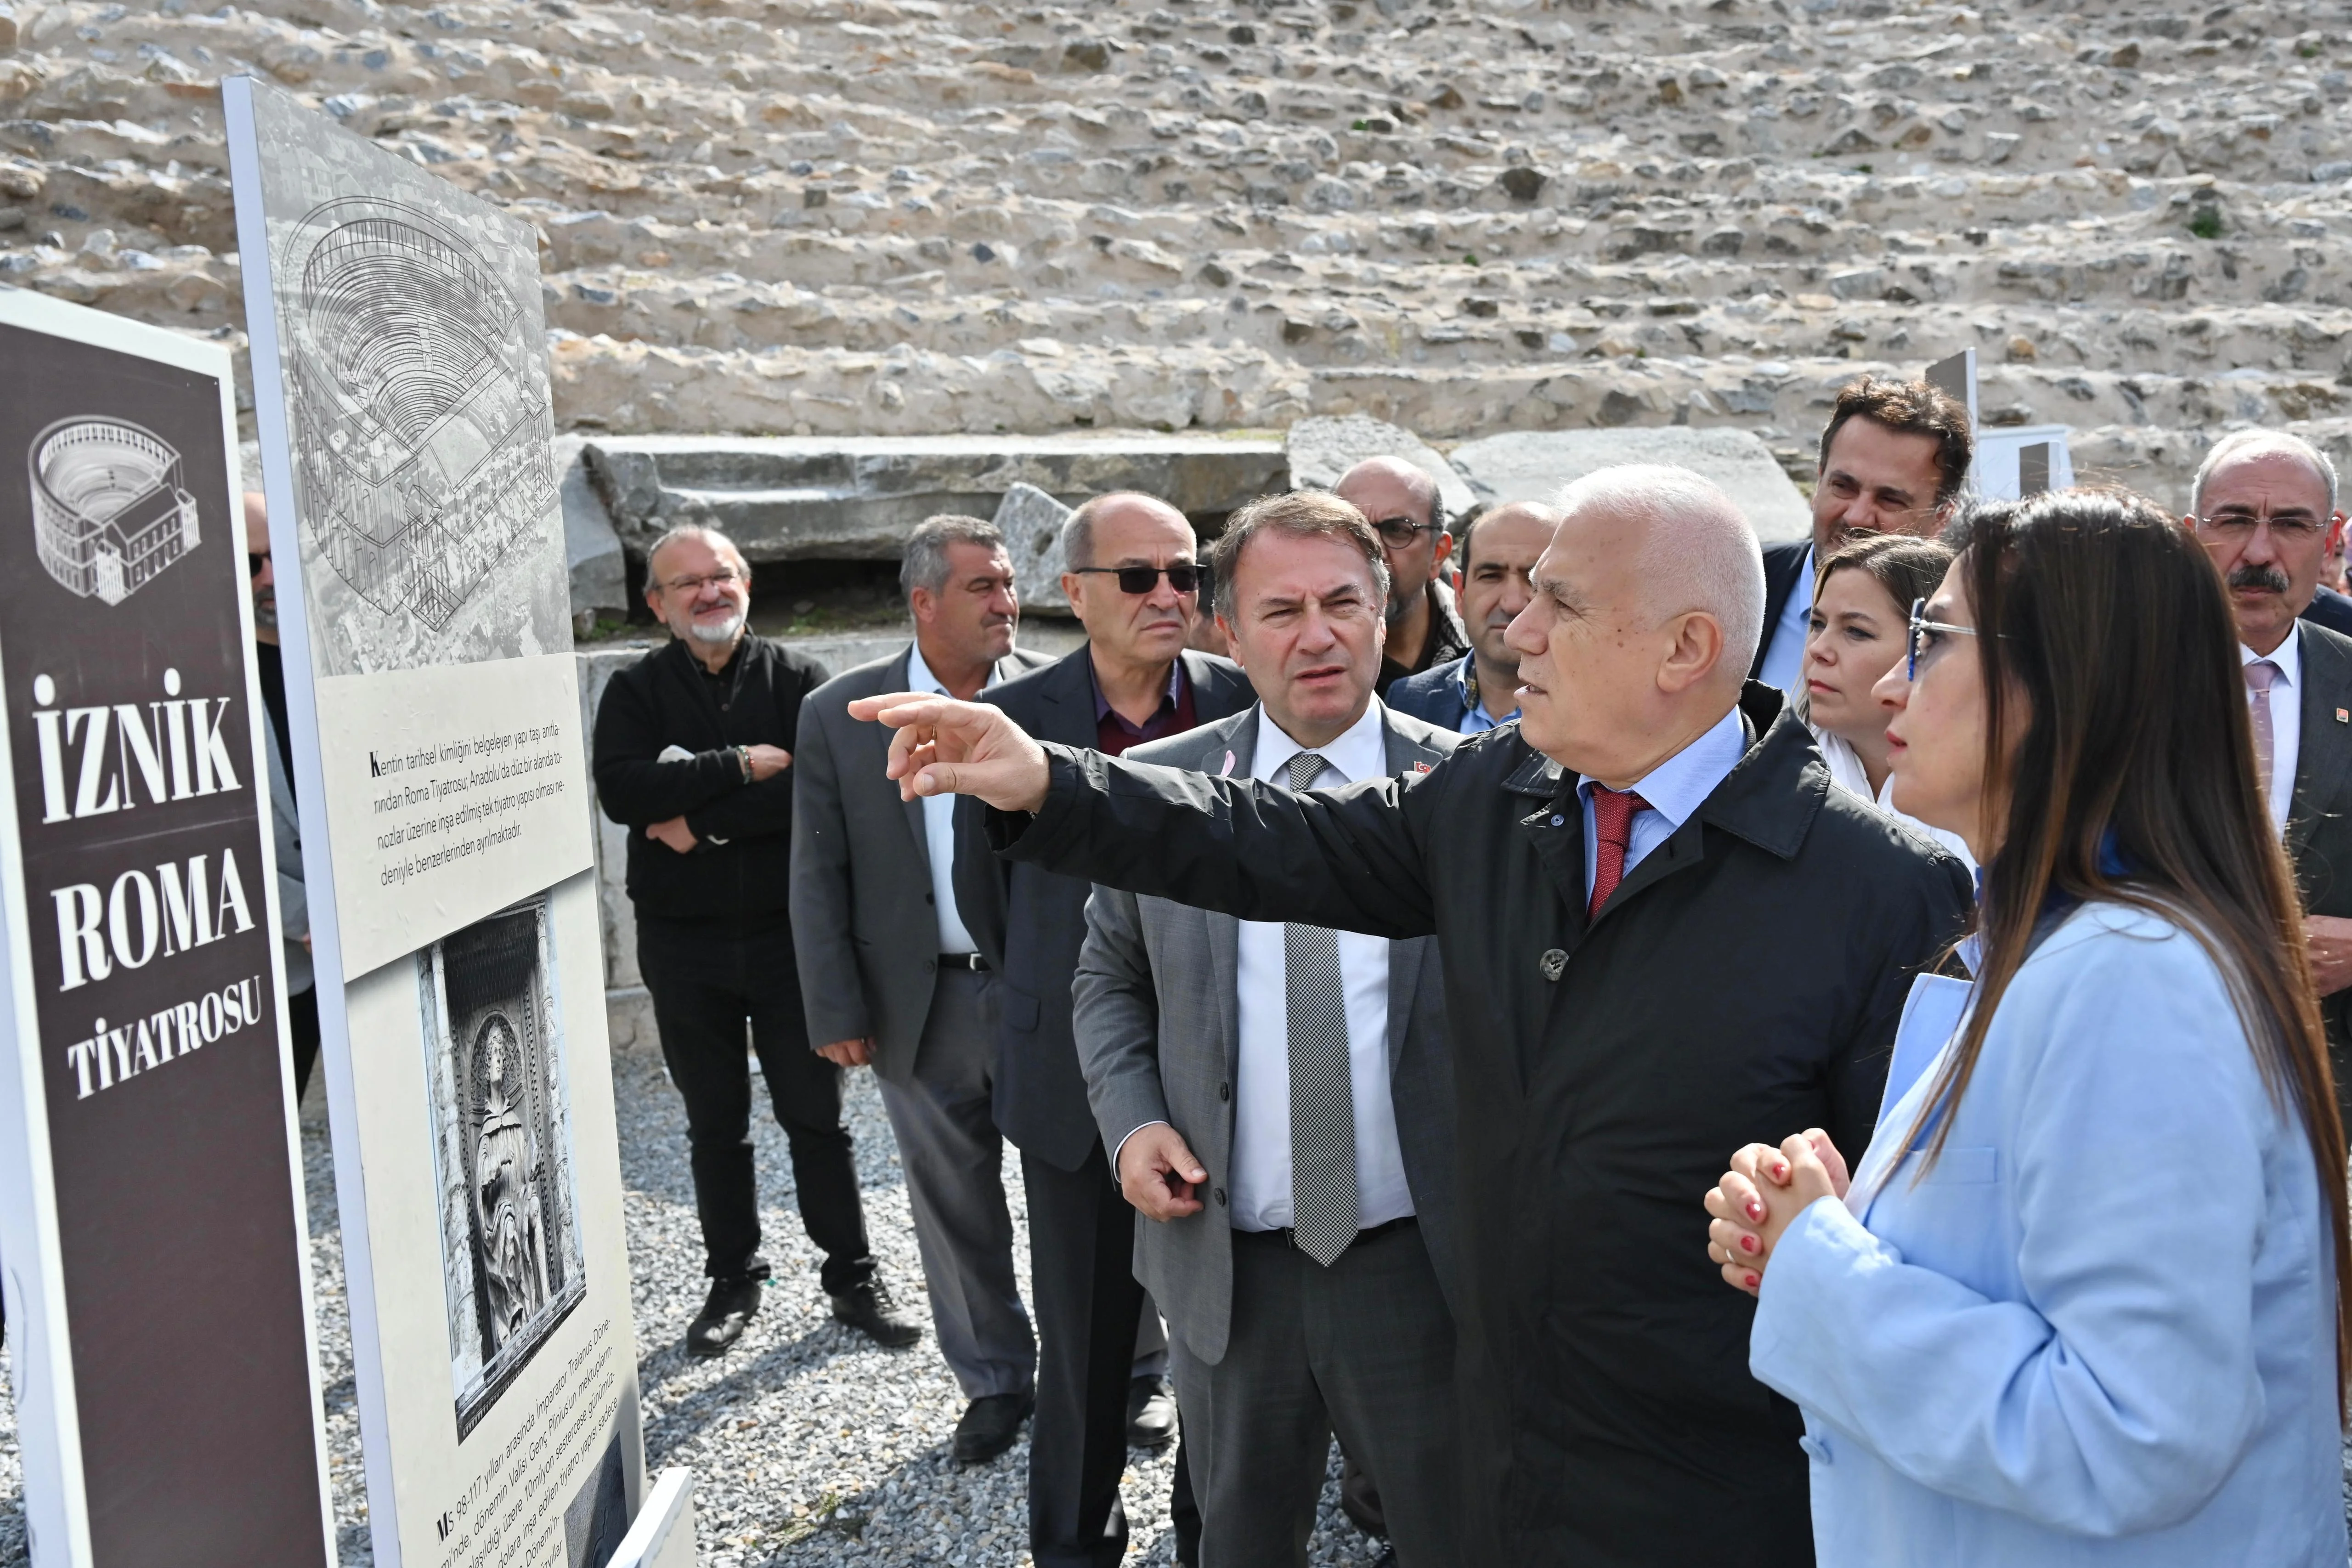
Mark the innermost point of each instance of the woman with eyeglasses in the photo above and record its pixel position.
(1862, 598)
(2083, 1300)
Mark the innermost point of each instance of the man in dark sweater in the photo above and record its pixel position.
(690, 755)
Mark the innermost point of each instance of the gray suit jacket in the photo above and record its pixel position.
(1158, 1032)
(863, 916)
(293, 904)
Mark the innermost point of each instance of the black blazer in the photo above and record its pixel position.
(2319, 820)
(1744, 981)
(1783, 564)
(2330, 609)
(1030, 924)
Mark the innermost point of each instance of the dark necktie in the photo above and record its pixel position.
(1322, 1090)
(1612, 823)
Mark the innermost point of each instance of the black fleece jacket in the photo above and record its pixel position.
(741, 861)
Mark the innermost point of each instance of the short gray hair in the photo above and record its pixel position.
(1700, 552)
(925, 564)
(719, 544)
(2252, 443)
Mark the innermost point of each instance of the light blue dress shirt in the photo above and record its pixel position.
(1674, 789)
(1784, 656)
(1475, 719)
(2100, 1330)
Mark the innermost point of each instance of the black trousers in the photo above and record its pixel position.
(708, 979)
(1083, 1289)
(302, 1023)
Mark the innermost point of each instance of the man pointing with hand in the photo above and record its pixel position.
(1662, 935)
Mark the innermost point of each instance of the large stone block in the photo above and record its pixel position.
(1031, 522)
(1533, 465)
(1322, 448)
(600, 582)
(857, 498)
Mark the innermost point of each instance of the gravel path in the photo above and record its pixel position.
(809, 1443)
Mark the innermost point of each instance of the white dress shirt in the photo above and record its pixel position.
(2287, 718)
(1784, 656)
(938, 823)
(1675, 790)
(1847, 773)
(1260, 1177)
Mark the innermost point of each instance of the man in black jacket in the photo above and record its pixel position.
(1130, 575)
(690, 757)
(1894, 456)
(1664, 933)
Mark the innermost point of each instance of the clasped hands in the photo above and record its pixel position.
(1761, 1196)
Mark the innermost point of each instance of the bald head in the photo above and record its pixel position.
(1688, 546)
(1389, 486)
(1648, 605)
(1079, 529)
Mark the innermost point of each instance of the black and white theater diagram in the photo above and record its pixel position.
(110, 506)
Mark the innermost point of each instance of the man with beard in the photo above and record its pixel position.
(1480, 690)
(2265, 505)
(689, 756)
(1406, 511)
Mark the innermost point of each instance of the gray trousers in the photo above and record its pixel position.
(1364, 1347)
(954, 1158)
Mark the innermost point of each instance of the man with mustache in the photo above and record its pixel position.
(1406, 511)
(689, 756)
(2266, 506)
(1480, 690)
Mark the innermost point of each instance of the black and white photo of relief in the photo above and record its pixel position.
(501, 1147)
(413, 349)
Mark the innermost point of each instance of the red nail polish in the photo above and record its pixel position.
(1748, 1243)
(1755, 1211)
(1780, 1172)
(1751, 1281)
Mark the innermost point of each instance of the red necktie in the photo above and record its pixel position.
(1612, 823)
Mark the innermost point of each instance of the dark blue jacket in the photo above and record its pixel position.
(1435, 696)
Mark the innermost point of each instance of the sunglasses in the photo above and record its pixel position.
(1400, 532)
(254, 564)
(1184, 577)
(1930, 634)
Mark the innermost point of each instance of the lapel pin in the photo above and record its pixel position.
(1424, 767)
(2344, 715)
(1227, 771)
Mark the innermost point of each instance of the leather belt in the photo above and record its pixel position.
(1289, 1238)
(971, 961)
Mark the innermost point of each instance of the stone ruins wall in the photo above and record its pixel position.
(906, 217)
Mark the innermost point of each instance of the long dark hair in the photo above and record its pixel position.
(2119, 758)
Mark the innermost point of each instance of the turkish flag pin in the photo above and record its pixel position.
(2344, 716)
(1424, 767)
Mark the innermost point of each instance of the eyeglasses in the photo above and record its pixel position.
(256, 564)
(1400, 532)
(1183, 576)
(726, 576)
(2290, 525)
(1929, 632)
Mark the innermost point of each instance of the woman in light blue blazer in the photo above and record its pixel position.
(2082, 1302)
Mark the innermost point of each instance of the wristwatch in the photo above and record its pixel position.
(743, 760)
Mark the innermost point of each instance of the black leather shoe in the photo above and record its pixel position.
(1360, 1501)
(989, 1424)
(871, 1310)
(1150, 1413)
(733, 1303)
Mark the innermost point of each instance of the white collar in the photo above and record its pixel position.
(1359, 752)
(2287, 655)
(921, 678)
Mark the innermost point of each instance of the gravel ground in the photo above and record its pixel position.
(809, 1443)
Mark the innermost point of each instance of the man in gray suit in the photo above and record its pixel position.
(1279, 1099)
(872, 881)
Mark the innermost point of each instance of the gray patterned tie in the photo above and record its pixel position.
(2259, 677)
(1322, 1094)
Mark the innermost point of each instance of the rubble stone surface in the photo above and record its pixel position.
(1536, 464)
(868, 217)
